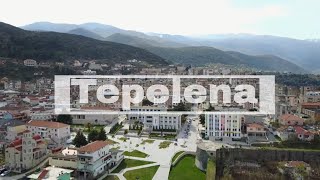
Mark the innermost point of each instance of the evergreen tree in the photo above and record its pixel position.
(102, 135)
(93, 135)
(64, 118)
(80, 140)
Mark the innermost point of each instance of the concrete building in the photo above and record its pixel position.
(59, 133)
(30, 62)
(223, 125)
(154, 120)
(93, 159)
(25, 152)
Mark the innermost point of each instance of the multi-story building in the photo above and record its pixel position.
(30, 62)
(93, 159)
(154, 120)
(59, 133)
(25, 152)
(223, 125)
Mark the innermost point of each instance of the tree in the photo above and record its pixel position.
(146, 102)
(64, 118)
(102, 135)
(202, 119)
(93, 135)
(80, 140)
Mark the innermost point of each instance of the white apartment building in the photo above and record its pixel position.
(223, 125)
(26, 152)
(30, 62)
(41, 116)
(93, 159)
(101, 119)
(154, 120)
(59, 133)
(312, 96)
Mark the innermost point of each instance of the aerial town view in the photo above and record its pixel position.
(160, 90)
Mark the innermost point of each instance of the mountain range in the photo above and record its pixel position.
(42, 45)
(261, 52)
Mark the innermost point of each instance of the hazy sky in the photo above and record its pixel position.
(291, 18)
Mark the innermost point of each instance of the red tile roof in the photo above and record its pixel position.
(255, 125)
(290, 117)
(92, 147)
(48, 124)
(43, 174)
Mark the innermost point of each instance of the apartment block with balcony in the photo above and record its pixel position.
(93, 159)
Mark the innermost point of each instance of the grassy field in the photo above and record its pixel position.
(141, 174)
(124, 139)
(111, 141)
(211, 170)
(149, 141)
(111, 178)
(290, 149)
(164, 144)
(135, 153)
(186, 170)
(127, 163)
(176, 155)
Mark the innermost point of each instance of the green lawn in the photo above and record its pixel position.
(124, 139)
(111, 141)
(211, 170)
(164, 144)
(186, 170)
(149, 141)
(141, 174)
(135, 153)
(176, 155)
(111, 177)
(127, 163)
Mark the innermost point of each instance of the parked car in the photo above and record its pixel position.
(2, 170)
(4, 173)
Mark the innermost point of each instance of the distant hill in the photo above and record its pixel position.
(86, 33)
(305, 53)
(207, 55)
(18, 43)
(108, 32)
(141, 42)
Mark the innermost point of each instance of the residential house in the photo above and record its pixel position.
(290, 120)
(303, 134)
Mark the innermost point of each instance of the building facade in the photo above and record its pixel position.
(93, 159)
(59, 133)
(223, 125)
(26, 152)
(154, 120)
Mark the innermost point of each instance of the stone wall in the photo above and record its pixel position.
(226, 157)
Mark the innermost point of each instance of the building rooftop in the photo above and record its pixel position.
(48, 124)
(92, 147)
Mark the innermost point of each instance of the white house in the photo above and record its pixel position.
(59, 133)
